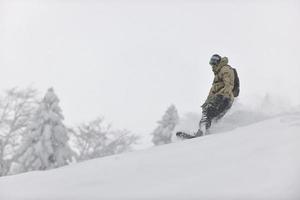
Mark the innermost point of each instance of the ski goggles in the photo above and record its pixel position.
(215, 60)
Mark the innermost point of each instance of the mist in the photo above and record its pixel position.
(129, 60)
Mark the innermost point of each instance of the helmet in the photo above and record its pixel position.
(215, 60)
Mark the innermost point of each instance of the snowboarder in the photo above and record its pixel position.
(224, 89)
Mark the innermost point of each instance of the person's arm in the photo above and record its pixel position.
(211, 93)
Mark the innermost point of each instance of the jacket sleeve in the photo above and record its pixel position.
(228, 79)
(210, 95)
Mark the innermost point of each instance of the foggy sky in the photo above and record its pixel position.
(129, 60)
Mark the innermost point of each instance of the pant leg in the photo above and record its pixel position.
(224, 107)
(215, 109)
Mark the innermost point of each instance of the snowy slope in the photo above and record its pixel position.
(258, 161)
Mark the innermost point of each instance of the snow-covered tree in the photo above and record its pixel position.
(45, 144)
(16, 109)
(163, 133)
(96, 139)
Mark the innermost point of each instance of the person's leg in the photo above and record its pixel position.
(208, 113)
(215, 109)
(204, 123)
(224, 105)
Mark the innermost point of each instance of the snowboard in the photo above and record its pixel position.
(183, 135)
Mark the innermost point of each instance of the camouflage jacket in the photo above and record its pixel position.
(223, 82)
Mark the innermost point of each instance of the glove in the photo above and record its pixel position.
(209, 99)
(204, 105)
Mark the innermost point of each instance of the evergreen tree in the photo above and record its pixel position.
(163, 133)
(45, 143)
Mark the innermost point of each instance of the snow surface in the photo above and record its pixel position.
(256, 161)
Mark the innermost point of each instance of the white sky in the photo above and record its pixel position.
(129, 60)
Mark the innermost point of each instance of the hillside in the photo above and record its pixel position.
(256, 161)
